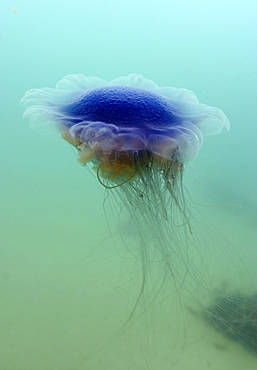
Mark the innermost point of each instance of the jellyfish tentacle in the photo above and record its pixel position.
(113, 186)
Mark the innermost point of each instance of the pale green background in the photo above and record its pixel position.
(62, 298)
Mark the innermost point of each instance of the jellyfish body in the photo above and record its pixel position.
(125, 118)
(137, 137)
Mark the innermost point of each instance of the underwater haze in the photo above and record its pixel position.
(81, 286)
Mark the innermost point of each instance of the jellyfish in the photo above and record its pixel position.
(137, 138)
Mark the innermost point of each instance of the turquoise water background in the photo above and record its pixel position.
(65, 290)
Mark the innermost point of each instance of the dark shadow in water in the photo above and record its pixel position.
(236, 317)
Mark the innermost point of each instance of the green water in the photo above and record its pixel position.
(66, 288)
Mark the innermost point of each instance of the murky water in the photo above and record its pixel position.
(68, 279)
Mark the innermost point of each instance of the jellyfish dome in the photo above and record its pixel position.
(114, 123)
(136, 137)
